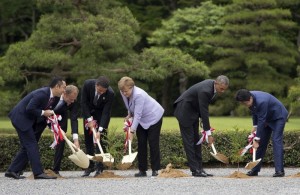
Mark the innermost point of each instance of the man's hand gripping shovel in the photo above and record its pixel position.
(250, 165)
(78, 157)
(215, 154)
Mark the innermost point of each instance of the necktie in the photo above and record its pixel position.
(95, 99)
(50, 102)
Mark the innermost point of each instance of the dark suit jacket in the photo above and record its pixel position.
(101, 112)
(28, 111)
(266, 109)
(73, 114)
(194, 103)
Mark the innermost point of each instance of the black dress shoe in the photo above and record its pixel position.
(252, 173)
(141, 174)
(99, 169)
(44, 176)
(208, 174)
(279, 174)
(13, 175)
(87, 172)
(154, 173)
(198, 173)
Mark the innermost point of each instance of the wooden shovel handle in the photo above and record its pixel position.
(129, 147)
(213, 147)
(71, 145)
(254, 154)
(97, 140)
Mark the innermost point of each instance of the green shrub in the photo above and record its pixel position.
(171, 149)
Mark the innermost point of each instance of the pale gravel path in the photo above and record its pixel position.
(219, 184)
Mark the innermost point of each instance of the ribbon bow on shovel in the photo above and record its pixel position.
(249, 146)
(127, 159)
(218, 156)
(254, 162)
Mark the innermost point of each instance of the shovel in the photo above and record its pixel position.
(128, 159)
(97, 157)
(108, 159)
(218, 156)
(78, 157)
(251, 165)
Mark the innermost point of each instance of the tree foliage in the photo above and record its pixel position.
(75, 41)
(167, 69)
(187, 29)
(253, 48)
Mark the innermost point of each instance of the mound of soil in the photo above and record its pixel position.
(171, 173)
(51, 173)
(48, 172)
(124, 166)
(108, 174)
(296, 175)
(238, 174)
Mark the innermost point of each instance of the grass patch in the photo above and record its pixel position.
(169, 124)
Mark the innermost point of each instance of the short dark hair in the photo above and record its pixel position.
(103, 82)
(242, 95)
(56, 81)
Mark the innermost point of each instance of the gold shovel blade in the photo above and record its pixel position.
(129, 158)
(80, 159)
(251, 165)
(221, 157)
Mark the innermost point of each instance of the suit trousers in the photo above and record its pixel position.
(29, 151)
(274, 129)
(190, 136)
(59, 153)
(151, 135)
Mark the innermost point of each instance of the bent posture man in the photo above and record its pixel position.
(36, 106)
(191, 105)
(269, 117)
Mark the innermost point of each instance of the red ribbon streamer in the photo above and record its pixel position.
(56, 129)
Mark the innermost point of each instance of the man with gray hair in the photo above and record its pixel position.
(67, 104)
(191, 105)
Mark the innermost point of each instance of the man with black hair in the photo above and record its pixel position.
(269, 117)
(34, 107)
(96, 104)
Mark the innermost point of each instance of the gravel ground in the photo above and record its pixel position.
(73, 183)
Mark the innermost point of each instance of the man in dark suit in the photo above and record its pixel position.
(66, 103)
(269, 117)
(191, 105)
(96, 103)
(34, 107)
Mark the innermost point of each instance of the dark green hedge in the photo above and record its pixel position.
(227, 142)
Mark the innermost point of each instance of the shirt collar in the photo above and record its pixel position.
(51, 94)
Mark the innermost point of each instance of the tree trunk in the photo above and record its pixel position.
(166, 98)
(298, 40)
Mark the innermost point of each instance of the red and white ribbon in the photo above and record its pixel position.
(55, 128)
(204, 136)
(246, 148)
(88, 129)
(126, 129)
